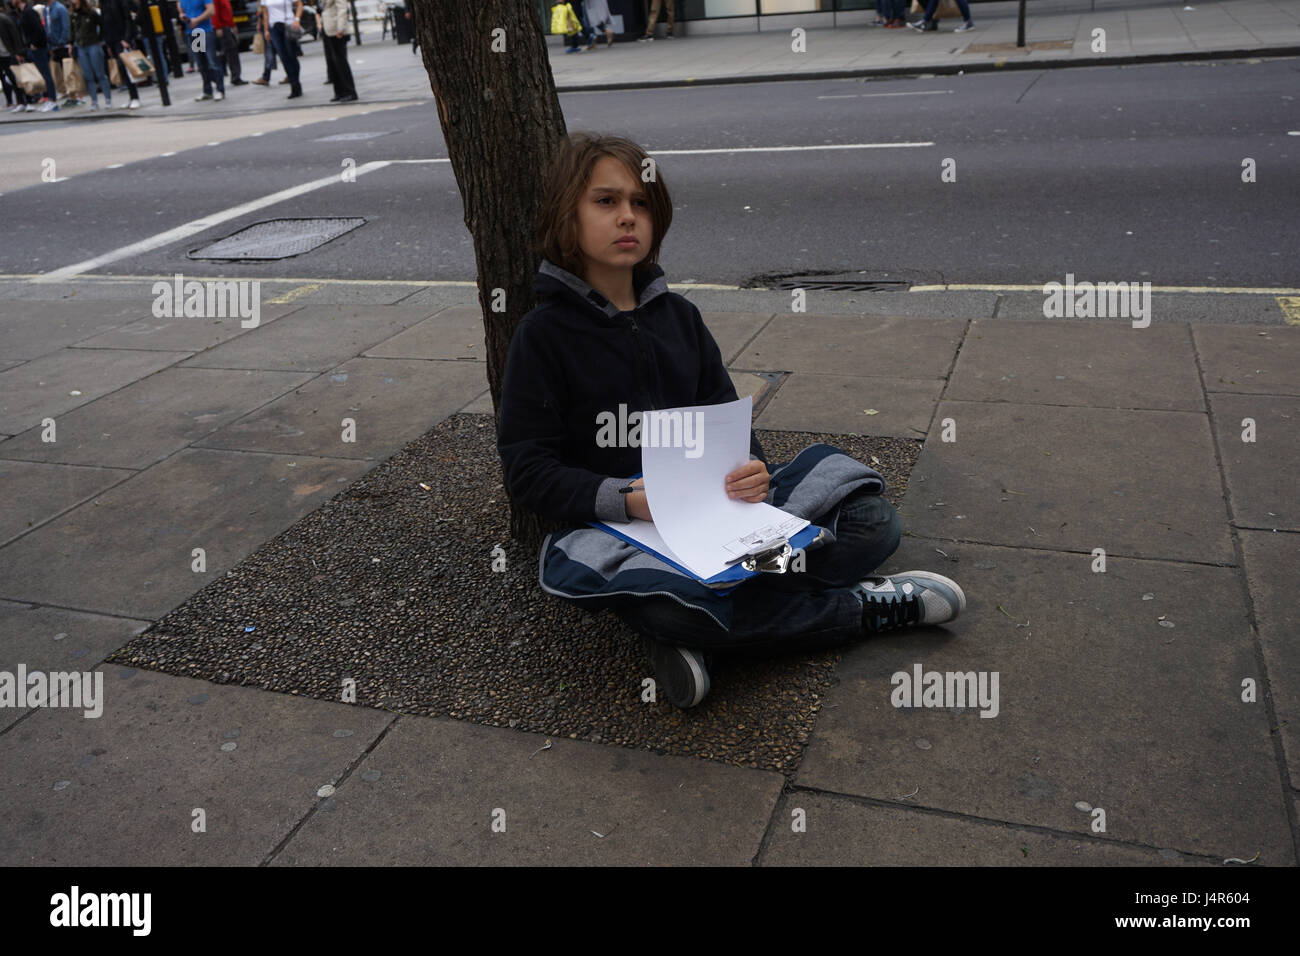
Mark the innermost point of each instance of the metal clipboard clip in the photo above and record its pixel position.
(771, 556)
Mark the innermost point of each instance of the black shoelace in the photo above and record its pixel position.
(887, 611)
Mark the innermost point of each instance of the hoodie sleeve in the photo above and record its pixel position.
(716, 386)
(532, 437)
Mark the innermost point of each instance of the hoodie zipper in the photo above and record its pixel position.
(649, 363)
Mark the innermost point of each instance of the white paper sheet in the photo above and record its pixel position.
(686, 455)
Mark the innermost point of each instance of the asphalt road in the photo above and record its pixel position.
(1117, 173)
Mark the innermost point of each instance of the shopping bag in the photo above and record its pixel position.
(29, 78)
(947, 8)
(259, 42)
(74, 79)
(56, 71)
(114, 73)
(564, 20)
(136, 64)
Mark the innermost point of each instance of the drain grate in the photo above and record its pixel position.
(277, 239)
(844, 286)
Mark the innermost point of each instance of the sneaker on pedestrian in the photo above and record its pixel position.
(30, 107)
(122, 104)
(202, 96)
(261, 82)
(913, 597)
(134, 104)
(925, 26)
(49, 106)
(218, 95)
(968, 25)
(645, 39)
(679, 672)
(17, 108)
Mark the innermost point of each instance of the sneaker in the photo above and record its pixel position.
(913, 597)
(679, 672)
(18, 108)
(645, 39)
(30, 107)
(261, 82)
(218, 95)
(134, 104)
(202, 96)
(968, 25)
(122, 104)
(48, 106)
(925, 26)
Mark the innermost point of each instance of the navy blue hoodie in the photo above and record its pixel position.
(576, 355)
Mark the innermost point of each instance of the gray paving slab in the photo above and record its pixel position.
(958, 304)
(454, 333)
(129, 552)
(60, 381)
(51, 639)
(731, 330)
(124, 788)
(849, 404)
(29, 329)
(1068, 363)
(35, 492)
(389, 401)
(314, 338)
(1098, 703)
(10, 364)
(1271, 560)
(438, 295)
(1140, 483)
(145, 422)
(1255, 359)
(1260, 474)
(845, 832)
(437, 783)
(365, 292)
(183, 335)
(856, 345)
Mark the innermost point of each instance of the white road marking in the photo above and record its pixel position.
(199, 225)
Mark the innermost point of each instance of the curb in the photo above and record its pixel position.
(948, 69)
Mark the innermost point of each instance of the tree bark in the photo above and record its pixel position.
(501, 120)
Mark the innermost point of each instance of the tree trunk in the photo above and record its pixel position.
(501, 120)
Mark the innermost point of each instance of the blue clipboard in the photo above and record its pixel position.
(767, 558)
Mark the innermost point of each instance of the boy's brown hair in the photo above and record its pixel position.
(567, 181)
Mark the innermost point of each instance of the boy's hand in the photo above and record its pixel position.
(749, 482)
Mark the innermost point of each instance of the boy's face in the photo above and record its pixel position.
(614, 207)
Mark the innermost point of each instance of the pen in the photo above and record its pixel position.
(628, 490)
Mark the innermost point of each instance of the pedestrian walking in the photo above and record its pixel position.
(36, 51)
(607, 334)
(334, 37)
(600, 21)
(223, 24)
(654, 19)
(86, 37)
(198, 23)
(281, 16)
(890, 14)
(120, 32)
(930, 22)
(11, 45)
(58, 33)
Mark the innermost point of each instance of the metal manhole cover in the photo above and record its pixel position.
(277, 239)
(348, 137)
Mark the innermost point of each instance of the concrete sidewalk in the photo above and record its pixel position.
(1059, 33)
(1164, 691)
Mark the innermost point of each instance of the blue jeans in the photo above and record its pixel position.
(91, 60)
(583, 36)
(283, 46)
(806, 610)
(209, 61)
(890, 9)
(41, 60)
(933, 5)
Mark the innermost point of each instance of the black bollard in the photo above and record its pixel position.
(1020, 26)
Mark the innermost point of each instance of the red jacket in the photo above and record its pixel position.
(222, 15)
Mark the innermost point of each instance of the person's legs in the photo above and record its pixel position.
(268, 62)
(88, 73)
(654, 18)
(810, 609)
(6, 80)
(964, 7)
(284, 47)
(671, 16)
(212, 60)
(230, 49)
(336, 51)
(95, 58)
(41, 59)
